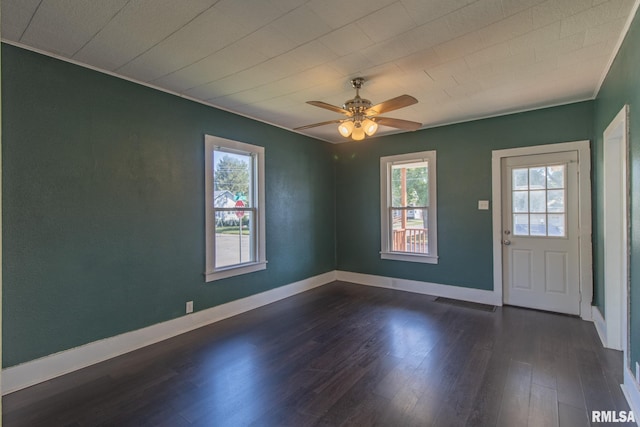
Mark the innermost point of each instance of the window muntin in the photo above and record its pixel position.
(408, 207)
(538, 197)
(235, 203)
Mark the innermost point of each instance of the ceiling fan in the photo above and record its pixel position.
(362, 117)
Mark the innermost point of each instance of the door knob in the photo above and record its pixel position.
(506, 242)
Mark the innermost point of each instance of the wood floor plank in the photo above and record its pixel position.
(514, 410)
(486, 406)
(409, 401)
(455, 410)
(543, 407)
(568, 385)
(359, 405)
(594, 385)
(344, 355)
(547, 351)
(570, 416)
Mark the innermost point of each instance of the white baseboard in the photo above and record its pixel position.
(48, 367)
(631, 390)
(435, 289)
(600, 323)
(586, 312)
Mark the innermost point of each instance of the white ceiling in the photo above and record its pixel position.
(462, 59)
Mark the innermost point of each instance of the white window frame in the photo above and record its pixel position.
(385, 207)
(213, 143)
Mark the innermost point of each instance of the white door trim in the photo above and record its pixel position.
(584, 213)
(616, 231)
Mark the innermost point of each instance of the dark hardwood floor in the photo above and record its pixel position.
(346, 354)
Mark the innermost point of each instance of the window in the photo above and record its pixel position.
(538, 195)
(235, 228)
(408, 207)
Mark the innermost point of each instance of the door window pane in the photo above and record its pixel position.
(555, 201)
(538, 201)
(521, 201)
(555, 176)
(537, 178)
(538, 225)
(520, 179)
(521, 224)
(556, 225)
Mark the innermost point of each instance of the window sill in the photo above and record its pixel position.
(235, 271)
(402, 256)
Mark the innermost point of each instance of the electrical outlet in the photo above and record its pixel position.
(189, 307)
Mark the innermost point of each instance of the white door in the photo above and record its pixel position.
(540, 243)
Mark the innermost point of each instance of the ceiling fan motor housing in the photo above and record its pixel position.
(357, 106)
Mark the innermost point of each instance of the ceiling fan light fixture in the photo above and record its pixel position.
(362, 118)
(370, 127)
(345, 128)
(358, 133)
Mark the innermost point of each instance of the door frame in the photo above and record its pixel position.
(584, 214)
(616, 277)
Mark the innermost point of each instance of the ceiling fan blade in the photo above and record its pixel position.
(398, 123)
(329, 107)
(391, 104)
(317, 124)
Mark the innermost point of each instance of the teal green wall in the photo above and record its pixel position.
(620, 87)
(103, 199)
(463, 177)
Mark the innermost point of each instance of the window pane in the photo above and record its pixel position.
(555, 201)
(234, 239)
(521, 201)
(233, 174)
(538, 202)
(410, 184)
(555, 176)
(538, 225)
(556, 225)
(537, 178)
(521, 224)
(409, 234)
(520, 179)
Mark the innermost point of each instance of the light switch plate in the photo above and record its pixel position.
(483, 205)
